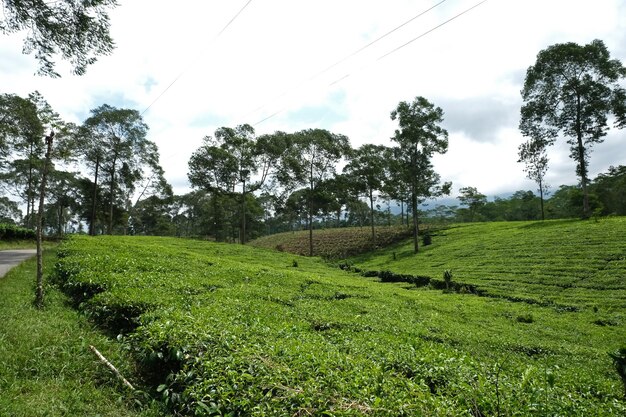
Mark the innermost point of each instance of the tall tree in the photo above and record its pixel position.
(77, 30)
(114, 141)
(473, 199)
(572, 90)
(310, 160)
(533, 154)
(22, 131)
(232, 160)
(367, 167)
(39, 292)
(9, 211)
(419, 137)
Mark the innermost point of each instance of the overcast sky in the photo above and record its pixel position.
(293, 61)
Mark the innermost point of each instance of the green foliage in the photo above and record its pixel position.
(474, 200)
(619, 361)
(419, 136)
(46, 367)
(78, 31)
(565, 263)
(228, 329)
(572, 89)
(447, 278)
(113, 142)
(525, 318)
(10, 232)
(427, 238)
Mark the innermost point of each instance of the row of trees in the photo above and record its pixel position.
(297, 171)
(247, 185)
(120, 187)
(110, 149)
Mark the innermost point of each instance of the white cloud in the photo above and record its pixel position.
(271, 57)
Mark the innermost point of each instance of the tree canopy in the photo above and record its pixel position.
(571, 90)
(419, 137)
(75, 30)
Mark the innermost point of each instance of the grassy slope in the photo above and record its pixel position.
(567, 262)
(46, 367)
(333, 243)
(244, 330)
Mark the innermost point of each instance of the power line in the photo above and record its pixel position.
(196, 60)
(342, 60)
(431, 30)
(387, 54)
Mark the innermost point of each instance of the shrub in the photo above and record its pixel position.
(427, 238)
(619, 361)
(525, 318)
(13, 232)
(447, 278)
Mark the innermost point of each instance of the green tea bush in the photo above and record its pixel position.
(13, 232)
(222, 329)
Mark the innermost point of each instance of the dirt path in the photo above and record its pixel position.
(11, 258)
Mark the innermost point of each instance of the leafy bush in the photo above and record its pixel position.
(231, 330)
(13, 232)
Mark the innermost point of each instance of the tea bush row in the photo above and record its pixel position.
(13, 232)
(231, 330)
(564, 262)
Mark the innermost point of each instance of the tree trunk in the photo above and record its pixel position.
(92, 223)
(581, 161)
(310, 232)
(372, 215)
(415, 223)
(243, 214)
(39, 293)
(30, 198)
(541, 199)
(111, 190)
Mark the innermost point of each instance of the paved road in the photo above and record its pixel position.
(11, 258)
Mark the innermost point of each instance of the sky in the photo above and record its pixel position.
(291, 65)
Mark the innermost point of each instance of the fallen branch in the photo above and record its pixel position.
(111, 367)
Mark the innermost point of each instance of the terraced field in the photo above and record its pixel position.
(333, 243)
(570, 263)
(229, 330)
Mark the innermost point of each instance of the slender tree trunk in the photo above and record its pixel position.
(111, 191)
(243, 214)
(30, 205)
(415, 222)
(372, 214)
(310, 231)
(92, 223)
(541, 199)
(39, 293)
(581, 161)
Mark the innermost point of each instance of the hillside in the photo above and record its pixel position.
(220, 329)
(569, 263)
(333, 243)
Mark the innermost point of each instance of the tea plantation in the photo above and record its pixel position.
(232, 330)
(567, 263)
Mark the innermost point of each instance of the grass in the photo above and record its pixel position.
(568, 263)
(229, 330)
(17, 244)
(46, 367)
